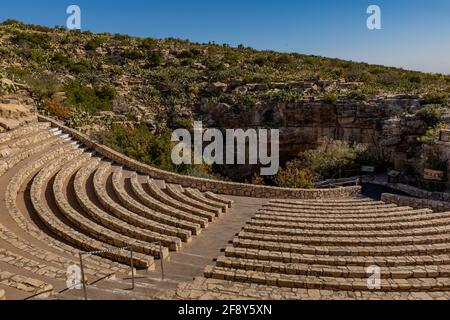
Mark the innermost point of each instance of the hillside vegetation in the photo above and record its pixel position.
(116, 87)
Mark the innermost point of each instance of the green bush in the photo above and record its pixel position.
(294, 177)
(33, 40)
(332, 156)
(155, 59)
(89, 99)
(431, 115)
(330, 98)
(140, 144)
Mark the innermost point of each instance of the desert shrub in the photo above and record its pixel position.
(331, 156)
(433, 134)
(80, 67)
(330, 98)
(434, 98)
(148, 44)
(33, 40)
(61, 59)
(89, 99)
(431, 115)
(155, 59)
(132, 54)
(93, 44)
(43, 85)
(56, 108)
(140, 144)
(293, 176)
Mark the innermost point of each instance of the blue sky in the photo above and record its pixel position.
(415, 34)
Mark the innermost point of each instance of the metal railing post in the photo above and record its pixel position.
(132, 268)
(162, 260)
(83, 280)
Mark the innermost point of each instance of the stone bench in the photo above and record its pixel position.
(26, 284)
(33, 266)
(170, 234)
(324, 201)
(143, 240)
(345, 215)
(24, 130)
(219, 199)
(175, 191)
(326, 283)
(94, 265)
(143, 230)
(342, 260)
(301, 269)
(183, 229)
(425, 249)
(9, 162)
(156, 192)
(159, 206)
(393, 220)
(198, 196)
(348, 241)
(345, 233)
(351, 227)
(339, 210)
(29, 139)
(74, 236)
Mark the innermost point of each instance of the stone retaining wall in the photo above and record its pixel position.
(417, 192)
(436, 206)
(221, 187)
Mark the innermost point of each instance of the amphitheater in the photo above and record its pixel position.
(62, 194)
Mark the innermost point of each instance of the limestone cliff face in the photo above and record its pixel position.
(302, 124)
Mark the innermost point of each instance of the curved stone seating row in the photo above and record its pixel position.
(123, 231)
(151, 202)
(331, 249)
(25, 284)
(330, 205)
(219, 199)
(425, 249)
(355, 226)
(326, 201)
(156, 192)
(184, 230)
(160, 231)
(70, 234)
(198, 196)
(340, 210)
(348, 241)
(326, 283)
(19, 132)
(381, 261)
(176, 192)
(31, 265)
(343, 221)
(402, 272)
(30, 139)
(342, 214)
(299, 219)
(94, 265)
(9, 162)
(345, 234)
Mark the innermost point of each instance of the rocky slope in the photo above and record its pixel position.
(95, 81)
